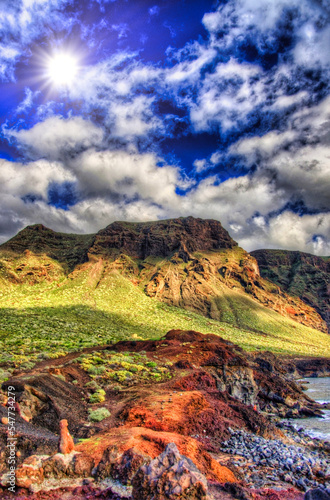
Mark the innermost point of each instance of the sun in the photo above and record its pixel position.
(62, 69)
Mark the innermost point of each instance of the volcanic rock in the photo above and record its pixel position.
(120, 466)
(162, 238)
(170, 475)
(317, 494)
(66, 444)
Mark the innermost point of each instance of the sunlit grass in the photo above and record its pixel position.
(50, 319)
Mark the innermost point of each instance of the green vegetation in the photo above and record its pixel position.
(99, 414)
(53, 317)
(125, 368)
(300, 274)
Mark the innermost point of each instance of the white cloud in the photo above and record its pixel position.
(267, 145)
(189, 70)
(134, 119)
(286, 101)
(292, 232)
(227, 96)
(124, 175)
(27, 102)
(57, 136)
(20, 179)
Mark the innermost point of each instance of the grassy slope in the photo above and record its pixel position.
(88, 308)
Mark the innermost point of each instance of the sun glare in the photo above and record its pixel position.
(62, 69)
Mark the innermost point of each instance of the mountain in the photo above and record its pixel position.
(62, 292)
(186, 262)
(300, 275)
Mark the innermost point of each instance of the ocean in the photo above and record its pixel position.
(319, 390)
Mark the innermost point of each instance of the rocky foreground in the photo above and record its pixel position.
(189, 416)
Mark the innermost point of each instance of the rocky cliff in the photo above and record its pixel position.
(300, 275)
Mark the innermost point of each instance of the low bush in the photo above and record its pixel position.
(99, 414)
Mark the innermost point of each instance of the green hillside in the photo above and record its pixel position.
(64, 313)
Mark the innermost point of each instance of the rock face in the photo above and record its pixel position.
(299, 274)
(66, 444)
(171, 476)
(39, 468)
(120, 466)
(162, 238)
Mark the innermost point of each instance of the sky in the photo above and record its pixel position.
(142, 110)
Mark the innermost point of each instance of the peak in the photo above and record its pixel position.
(162, 238)
(36, 227)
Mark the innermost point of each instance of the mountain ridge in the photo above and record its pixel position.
(299, 274)
(186, 262)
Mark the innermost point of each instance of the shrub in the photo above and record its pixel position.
(97, 360)
(99, 414)
(93, 385)
(28, 365)
(97, 397)
(151, 364)
(96, 370)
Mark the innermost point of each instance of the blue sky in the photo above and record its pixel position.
(164, 109)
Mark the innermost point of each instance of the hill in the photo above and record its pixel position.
(299, 274)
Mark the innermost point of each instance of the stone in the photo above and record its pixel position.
(66, 444)
(317, 494)
(120, 466)
(170, 475)
(83, 464)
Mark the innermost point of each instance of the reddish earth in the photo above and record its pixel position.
(213, 385)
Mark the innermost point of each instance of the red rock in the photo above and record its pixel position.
(171, 476)
(66, 444)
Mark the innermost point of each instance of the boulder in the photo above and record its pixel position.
(170, 475)
(121, 466)
(317, 494)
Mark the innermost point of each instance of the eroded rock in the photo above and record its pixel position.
(170, 475)
(317, 494)
(66, 444)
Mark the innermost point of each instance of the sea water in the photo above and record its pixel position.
(318, 389)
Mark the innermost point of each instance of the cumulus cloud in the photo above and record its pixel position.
(134, 119)
(297, 159)
(56, 137)
(19, 179)
(309, 233)
(227, 96)
(126, 175)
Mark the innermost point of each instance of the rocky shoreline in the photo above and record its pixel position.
(189, 416)
(272, 462)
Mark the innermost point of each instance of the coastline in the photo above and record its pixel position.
(220, 407)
